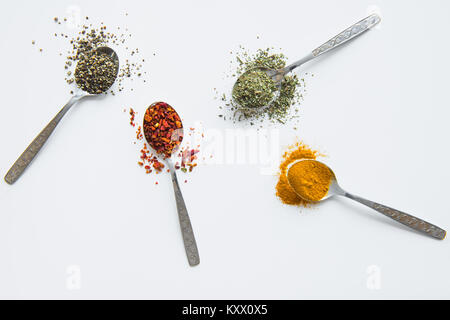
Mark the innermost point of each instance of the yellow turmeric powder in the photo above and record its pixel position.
(310, 179)
(283, 189)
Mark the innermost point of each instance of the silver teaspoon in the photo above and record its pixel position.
(404, 218)
(32, 150)
(348, 34)
(152, 137)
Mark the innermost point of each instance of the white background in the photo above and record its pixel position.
(377, 107)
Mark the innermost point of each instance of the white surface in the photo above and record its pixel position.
(378, 108)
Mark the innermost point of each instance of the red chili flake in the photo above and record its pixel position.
(139, 135)
(163, 128)
(132, 115)
(158, 165)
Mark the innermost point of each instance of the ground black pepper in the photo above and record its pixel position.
(95, 72)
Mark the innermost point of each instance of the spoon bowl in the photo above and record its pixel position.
(115, 59)
(152, 137)
(334, 189)
(272, 74)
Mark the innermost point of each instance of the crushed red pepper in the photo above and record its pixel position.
(163, 128)
(150, 162)
(139, 133)
(132, 115)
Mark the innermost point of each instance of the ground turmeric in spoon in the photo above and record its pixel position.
(310, 179)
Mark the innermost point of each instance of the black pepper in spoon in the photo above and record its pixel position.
(96, 71)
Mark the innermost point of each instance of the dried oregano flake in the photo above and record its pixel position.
(254, 89)
(282, 109)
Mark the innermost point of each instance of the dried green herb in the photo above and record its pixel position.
(95, 72)
(281, 109)
(254, 89)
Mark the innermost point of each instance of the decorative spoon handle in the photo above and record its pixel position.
(190, 244)
(404, 218)
(32, 150)
(348, 34)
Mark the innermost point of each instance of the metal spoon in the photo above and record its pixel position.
(404, 218)
(32, 150)
(348, 34)
(190, 245)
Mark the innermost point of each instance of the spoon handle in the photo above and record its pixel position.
(190, 245)
(404, 218)
(348, 34)
(32, 150)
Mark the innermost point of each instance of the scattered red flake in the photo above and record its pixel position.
(157, 165)
(165, 122)
(132, 115)
(139, 134)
